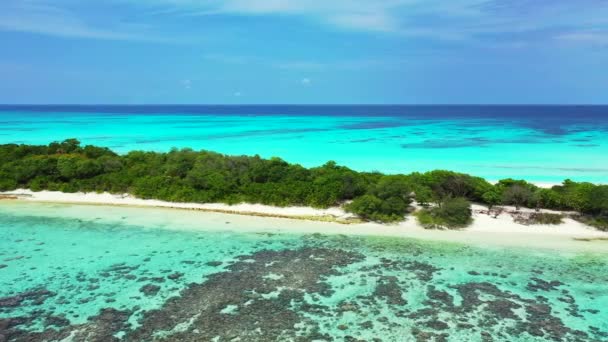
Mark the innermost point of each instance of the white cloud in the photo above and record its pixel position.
(445, 20)
(306, 82)
(373, 15)
(451, 20)
(38, 16)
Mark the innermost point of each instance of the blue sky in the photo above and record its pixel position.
(306, 51)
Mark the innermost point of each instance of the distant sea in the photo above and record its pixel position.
(537, 143)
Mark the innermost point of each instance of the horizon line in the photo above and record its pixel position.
(303, 104)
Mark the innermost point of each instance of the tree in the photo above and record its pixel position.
(392, 186)
(491, 198)
(598, 201)
(67, 166)
(366, 206)
(424, 195)
(453, 213)
(517, 195)
(372, 208)
(456, 212)
(549, 198)
(65, 147)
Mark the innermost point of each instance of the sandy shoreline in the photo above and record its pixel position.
(333, 214)
(486, 230)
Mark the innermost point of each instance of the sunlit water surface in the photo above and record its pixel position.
(536, 143)
(110, 273)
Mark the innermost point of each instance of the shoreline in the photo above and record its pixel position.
(486, 230)
(334, 214)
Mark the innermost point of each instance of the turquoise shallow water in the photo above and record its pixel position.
(99, 273)
(542, 144)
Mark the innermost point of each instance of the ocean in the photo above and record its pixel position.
(96, 273)
(103, 273)
(544, 144)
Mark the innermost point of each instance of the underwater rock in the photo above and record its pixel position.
(389, 289)
(262, 319)
(440, 296)
(437, 324)
(539, 284)
(499, 311)
(423, 271)
(149, 289)
(10, 301)
(57, 321)
(34, 297)
(367, 325)
(175, 276)
(15, 258)
(100, 328)
(347, 306)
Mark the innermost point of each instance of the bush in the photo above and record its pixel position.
(547, 218)
(491, 197)
(600, 223)
(452, 213)
(7, 184)
(540, 218)
(517, 195)
(370, 207)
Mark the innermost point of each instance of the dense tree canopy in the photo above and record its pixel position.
(202, 176)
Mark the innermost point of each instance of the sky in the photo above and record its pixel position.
(304, 51)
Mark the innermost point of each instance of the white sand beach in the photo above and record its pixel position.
(485, 230)
(129, 200)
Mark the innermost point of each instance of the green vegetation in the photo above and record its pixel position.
(451, 213)
(202, 176)
(540, 218)
(600, 223)
(546, 218)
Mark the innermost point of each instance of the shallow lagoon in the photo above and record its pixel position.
(105, 276)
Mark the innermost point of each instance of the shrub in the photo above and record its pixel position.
(370, 207)
(491, 197)
(547, 218)
(517, 195)
(452, 213)
(600, 223)
(540, 218)
(7, 184)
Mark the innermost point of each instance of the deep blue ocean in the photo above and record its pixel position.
(537, 143)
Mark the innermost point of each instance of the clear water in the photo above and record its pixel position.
(536, 143)
(262, 287)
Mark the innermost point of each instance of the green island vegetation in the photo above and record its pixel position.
(449, 213)
(184, 175)
(541, 218)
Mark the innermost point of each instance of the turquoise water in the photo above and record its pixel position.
(542, 144)
(98, 273)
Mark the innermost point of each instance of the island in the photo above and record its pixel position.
(439, 199)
